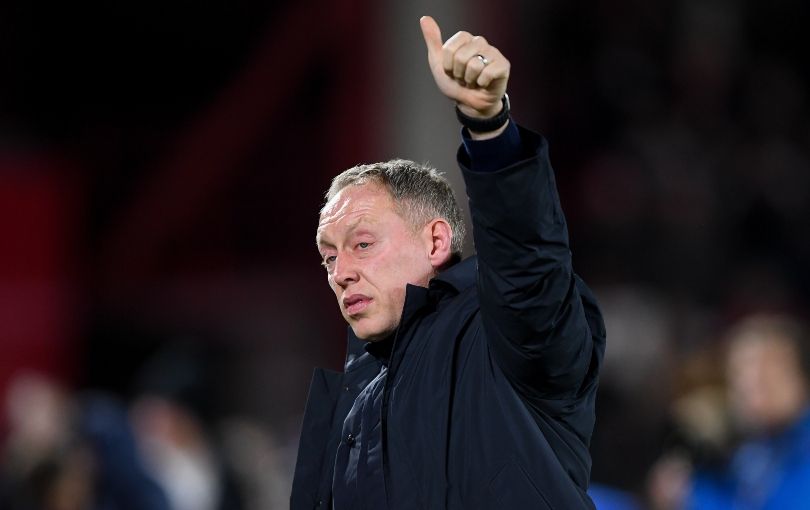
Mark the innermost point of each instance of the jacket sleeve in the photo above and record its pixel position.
(538, 327)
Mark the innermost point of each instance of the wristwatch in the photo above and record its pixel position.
(485, 125)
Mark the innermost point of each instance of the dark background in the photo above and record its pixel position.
(162, 165)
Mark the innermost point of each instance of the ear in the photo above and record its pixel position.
(438, 236)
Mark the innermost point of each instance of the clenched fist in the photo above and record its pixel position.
(467, 69)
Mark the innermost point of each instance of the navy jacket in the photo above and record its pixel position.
(488, 396)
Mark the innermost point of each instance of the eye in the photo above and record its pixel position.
(328, 261)
(363, 246)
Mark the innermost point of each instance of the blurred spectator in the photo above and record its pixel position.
(170, 418)
(66, 453)
(261, 462)
(768, 396)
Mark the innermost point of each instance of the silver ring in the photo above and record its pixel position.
(484, 60)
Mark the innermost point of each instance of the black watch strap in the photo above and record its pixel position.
(485, 125)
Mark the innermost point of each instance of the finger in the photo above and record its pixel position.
(498, 70)
(473, 69)
(449, 50)
(433, 37)
(463, 55)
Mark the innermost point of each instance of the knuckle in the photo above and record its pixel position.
(458, 39)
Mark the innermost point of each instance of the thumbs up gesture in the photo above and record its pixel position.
(467, 69)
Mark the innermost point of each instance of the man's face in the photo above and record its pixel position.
(766, 385)
(370, 253)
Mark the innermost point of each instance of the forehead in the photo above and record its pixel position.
(369, 202)
(769, 348)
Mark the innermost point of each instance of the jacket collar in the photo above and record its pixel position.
(356, 356)
(457, 277)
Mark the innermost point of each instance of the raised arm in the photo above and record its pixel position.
(540, 319)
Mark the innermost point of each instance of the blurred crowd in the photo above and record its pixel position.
(160, 450)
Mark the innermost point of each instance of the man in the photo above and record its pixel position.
(768, 376)
(467, 384)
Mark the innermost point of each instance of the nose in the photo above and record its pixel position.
(345, 272)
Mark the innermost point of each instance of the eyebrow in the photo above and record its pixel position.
(350, 229)
(321, 241)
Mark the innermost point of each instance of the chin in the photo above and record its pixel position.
(369, 337)
(370, 333)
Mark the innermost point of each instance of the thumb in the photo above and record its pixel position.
(433, 36)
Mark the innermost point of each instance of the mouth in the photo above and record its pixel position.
(355, 304)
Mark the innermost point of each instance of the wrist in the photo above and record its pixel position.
(485, 122)
(476, 136)
(471, 112)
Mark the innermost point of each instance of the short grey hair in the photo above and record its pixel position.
(420, 192)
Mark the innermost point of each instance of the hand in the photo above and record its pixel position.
(475, 85)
